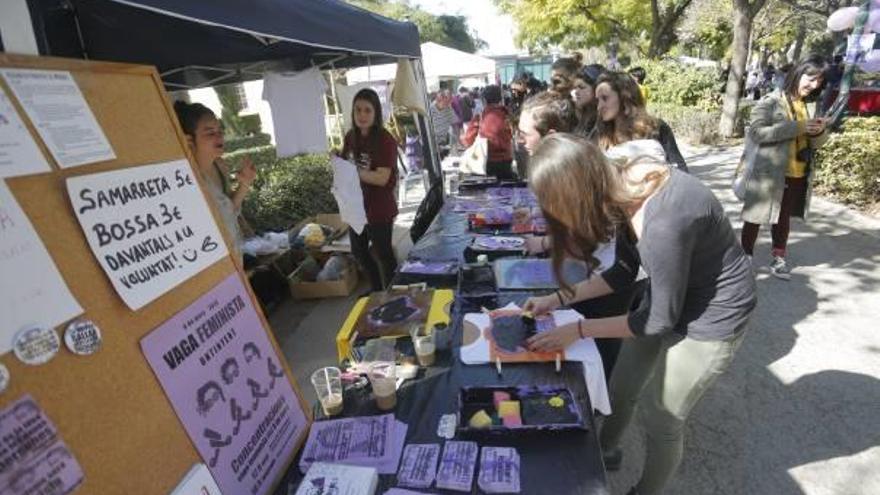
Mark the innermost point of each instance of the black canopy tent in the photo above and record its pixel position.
(197, 44)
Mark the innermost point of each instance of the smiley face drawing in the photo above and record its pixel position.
(189, 255)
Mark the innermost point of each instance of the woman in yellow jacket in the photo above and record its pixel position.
(780, 184)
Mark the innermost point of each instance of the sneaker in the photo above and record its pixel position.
(613, 458)
(779, 269)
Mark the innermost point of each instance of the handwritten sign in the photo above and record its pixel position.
(32, 291)
(61, 115)
(33, 459)
(149, 227)
(227, 386)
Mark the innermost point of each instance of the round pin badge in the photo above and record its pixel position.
(4, 377)
(36, 345)
(83, 337)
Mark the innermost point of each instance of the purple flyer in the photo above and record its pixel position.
(33, 459)
(419, 465)
(499, 470)
(228, 387)
(457, 466)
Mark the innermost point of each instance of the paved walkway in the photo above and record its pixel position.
(799, 410)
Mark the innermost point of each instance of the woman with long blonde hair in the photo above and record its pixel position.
(693, 315)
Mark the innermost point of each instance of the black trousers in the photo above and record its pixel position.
(503, 170)
(380, 236)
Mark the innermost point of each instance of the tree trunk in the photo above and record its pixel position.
(799, 41)
(742, 29)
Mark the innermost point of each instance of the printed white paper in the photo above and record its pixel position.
(61, 115)
(198, 481)
(348, 193)
(149, 227)
(19, 154)
(32, 291)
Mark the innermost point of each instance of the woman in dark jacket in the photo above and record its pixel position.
(494, 125)
(623, 117)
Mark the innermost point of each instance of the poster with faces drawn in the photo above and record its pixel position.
(228, 388)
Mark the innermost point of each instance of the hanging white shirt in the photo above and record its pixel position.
(297, 103)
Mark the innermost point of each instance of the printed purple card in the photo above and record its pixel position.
(457, 466)
(499, 470)
(419, 465)
(497, 243)
(33, 458)
(429, 267)
(226, 384)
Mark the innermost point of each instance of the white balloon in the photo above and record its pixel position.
(871, 66)
(873, 22)
(872, 56)
(843, 18)
(875, 3)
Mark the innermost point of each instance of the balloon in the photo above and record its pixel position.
(873, 66)
(873, 22)
(872, 57)
(875, 3)
(843, 18)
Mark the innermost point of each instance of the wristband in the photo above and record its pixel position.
(581, 330)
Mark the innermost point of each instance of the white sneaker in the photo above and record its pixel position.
(779, 269)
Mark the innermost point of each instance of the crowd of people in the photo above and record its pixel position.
(672, 310)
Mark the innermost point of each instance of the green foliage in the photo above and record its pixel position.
(231, 104)
(847, 165)
(447, 30)
(692, 125)
(244, 142)
(707, 29)
(251, 124)
(576, 24)
(286, 190)
(672, 82)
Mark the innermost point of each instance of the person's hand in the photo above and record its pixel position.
(554, 340)
(815, 127)
(248, 173)
(535, 244)
(541, 305)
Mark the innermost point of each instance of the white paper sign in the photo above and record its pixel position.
(19, 154)
(149, 227)
(348, 193)
(31, 289)
(198, 481)
(61, 115)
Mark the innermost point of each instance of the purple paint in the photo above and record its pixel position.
(429, 267)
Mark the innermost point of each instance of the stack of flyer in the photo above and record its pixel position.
(337, 479)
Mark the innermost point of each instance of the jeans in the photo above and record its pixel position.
(380, 235)
(673, 372)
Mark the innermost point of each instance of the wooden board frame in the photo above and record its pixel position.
(109, 407)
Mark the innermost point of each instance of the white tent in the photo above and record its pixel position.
(440, 63)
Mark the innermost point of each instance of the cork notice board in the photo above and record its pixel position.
(109, 408)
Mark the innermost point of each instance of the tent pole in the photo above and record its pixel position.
(434, 154)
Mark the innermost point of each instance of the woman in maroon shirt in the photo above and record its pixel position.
(374, 150)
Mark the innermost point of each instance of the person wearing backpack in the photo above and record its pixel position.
(494, 125)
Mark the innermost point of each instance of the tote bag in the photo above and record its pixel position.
(745, 169)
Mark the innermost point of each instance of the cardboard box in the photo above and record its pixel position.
(316, 290)
(333, 220)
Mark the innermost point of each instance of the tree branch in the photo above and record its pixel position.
(799, 6)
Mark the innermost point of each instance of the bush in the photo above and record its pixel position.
(691, 125)
(286, 190)
(847, 166)
(233, 144)
(675, 83)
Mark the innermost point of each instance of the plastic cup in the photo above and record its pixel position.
(383, 378)
(328, 386)
(425, 348)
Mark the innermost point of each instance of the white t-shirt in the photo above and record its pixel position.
(297, 103)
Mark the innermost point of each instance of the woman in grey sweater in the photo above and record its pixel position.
(700, 294)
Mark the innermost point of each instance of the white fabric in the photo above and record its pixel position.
(637, 150)
(345, 95)
(348, 193)
(440, 62)
(583, 350)
(297, 103)
(407, 92)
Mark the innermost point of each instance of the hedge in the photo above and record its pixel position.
(286, 190)
(672, 82)
(848, 165)
(691, 125)
(233, 144)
